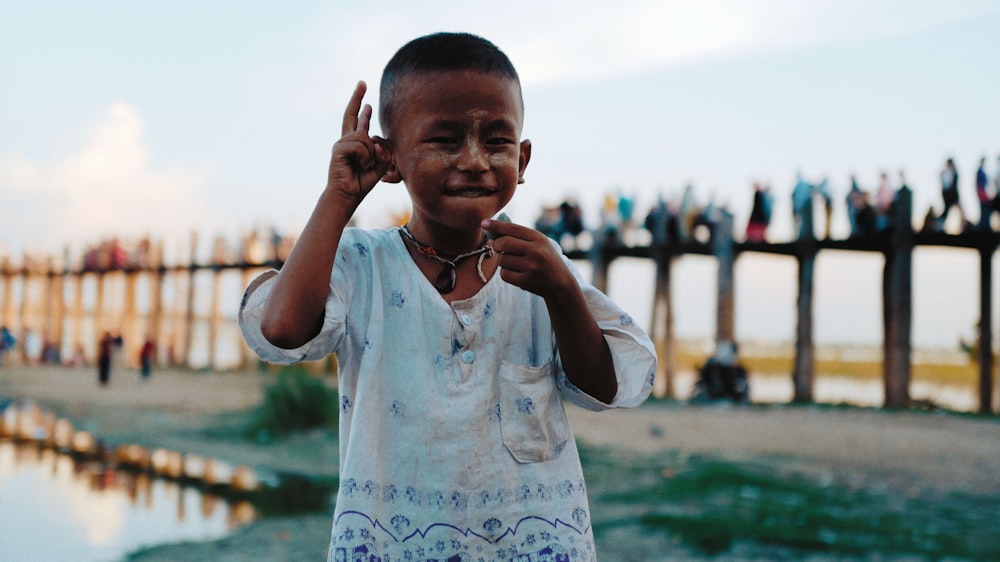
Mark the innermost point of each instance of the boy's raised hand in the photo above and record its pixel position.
(359, 160)
(528, 259)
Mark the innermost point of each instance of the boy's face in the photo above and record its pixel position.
(455, 141)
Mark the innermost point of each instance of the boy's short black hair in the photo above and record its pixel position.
(440, 52)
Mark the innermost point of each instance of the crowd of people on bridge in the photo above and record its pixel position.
(869, 212)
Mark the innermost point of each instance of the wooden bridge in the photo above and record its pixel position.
(43, 303)
(896, 244)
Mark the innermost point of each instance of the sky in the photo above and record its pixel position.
(126, 118)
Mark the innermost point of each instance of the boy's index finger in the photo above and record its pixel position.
(353, 109)
(364, 118)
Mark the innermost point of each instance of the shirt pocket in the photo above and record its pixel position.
(533, 422)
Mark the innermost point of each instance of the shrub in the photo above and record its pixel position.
(295, 401)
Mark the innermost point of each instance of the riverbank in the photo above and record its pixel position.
(913, 454)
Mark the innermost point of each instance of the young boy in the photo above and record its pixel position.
(453, 346)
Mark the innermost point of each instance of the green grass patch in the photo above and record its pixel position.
(295, 401)
(713, 506)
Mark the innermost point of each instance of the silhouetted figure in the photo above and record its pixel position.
(105, 351)
(760, 214)
(146, 358)
(549, 223)
(610, 219)
(884, 198)
(722, 377)
(32, 349)
(7, 342)
(823, 188)
(996, 178)
(987, 200)
(996, 187)
(626, 209)
(50, 353)
(860, 211)
(802, 195)
(571, 219)
(949, 194)
(663, 223)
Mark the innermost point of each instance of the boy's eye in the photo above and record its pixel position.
(442, 140)
(500, 140)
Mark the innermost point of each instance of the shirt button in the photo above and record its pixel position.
(466, 319)
(468, 356)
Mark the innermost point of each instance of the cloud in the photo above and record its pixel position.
(621, 38)
(553, 43)
(106, 186)
(20, 174)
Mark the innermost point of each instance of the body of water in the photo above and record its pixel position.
(832, 389)
(55, 507)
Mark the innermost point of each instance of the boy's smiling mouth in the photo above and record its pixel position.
(471, 192)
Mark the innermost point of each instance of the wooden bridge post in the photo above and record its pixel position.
(175, 347)
(48, 305)
(246, 355)
(722, 247)
(24, 314)
(7, 313)
(153, 328)
(129, 325)
(77, 314)
(805, 353)
(185, 357)
(662, 319)
(100, 325)
(898, 303)
(601, 255)
(52, 317)
(63, 276)
(986, 326)
(219, 251)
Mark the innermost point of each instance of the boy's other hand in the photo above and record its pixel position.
(528, 259)
(359, 160)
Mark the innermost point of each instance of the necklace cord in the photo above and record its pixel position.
(447, 279)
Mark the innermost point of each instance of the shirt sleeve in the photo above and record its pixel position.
(632, 353)
(251, 313)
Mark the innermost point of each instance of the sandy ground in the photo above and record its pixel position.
(903, 450)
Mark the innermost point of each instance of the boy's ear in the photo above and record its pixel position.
(391, 174)
(522, 159)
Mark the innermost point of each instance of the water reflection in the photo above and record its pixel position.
(769, 388)
(55, 507)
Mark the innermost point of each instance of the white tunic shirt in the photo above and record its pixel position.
(454, 444)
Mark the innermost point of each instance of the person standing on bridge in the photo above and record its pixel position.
(949, 194)
(802, 198)
(987, 200)
(760, 213)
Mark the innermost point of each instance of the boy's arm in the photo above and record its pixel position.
(293, 314)
(585, 355)
(529, 261)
